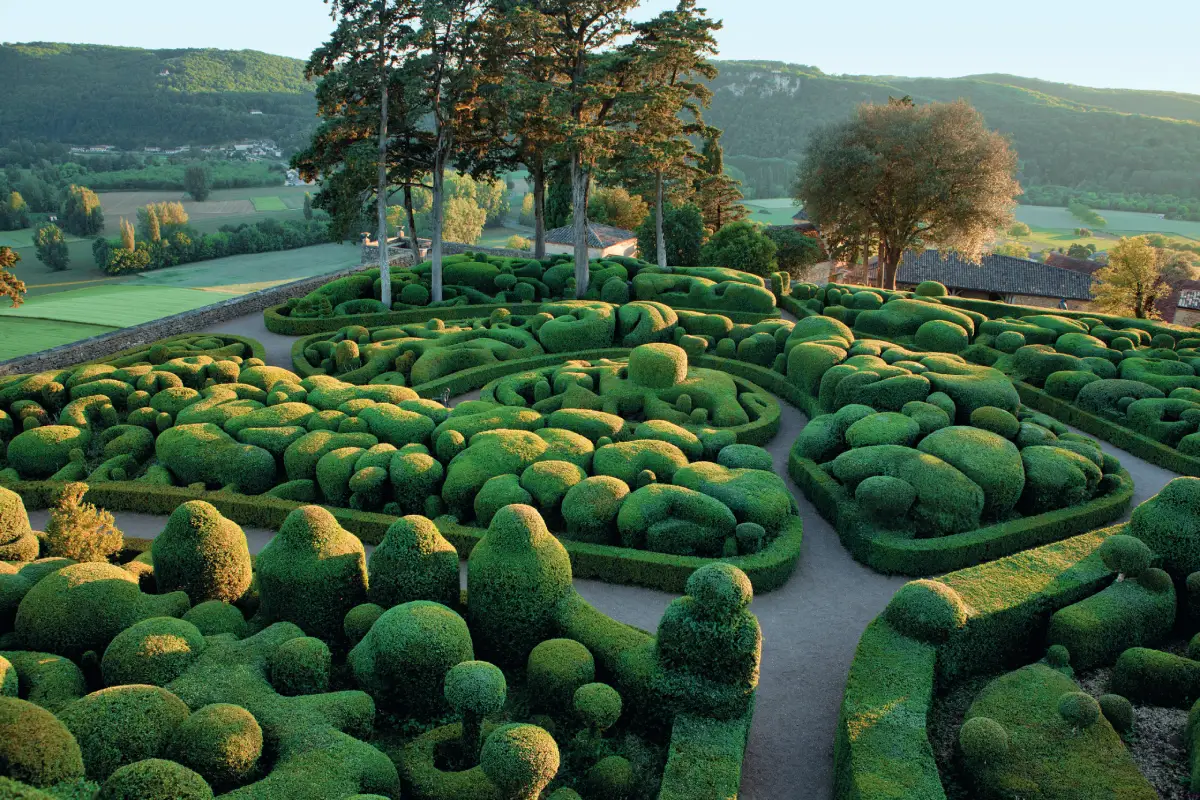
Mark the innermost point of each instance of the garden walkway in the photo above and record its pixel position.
(810, 626)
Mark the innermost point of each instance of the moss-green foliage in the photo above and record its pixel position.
(657, 366)
(155, 779)
(50, 681)
(1118, 711)
(84, 606)
(311, 573)
(1079, 709)
(41, 452)
(301, 666)
(154, 651)
(1056, 478)
(1157, 678)
(1127, 614)
(887, 427)
(359, 620)
(498, 492)
(930, 289)
(516, 576)
(996, 420)
(35, 747)
(202, 553)
(1048, 755)
(941, 336)
(1066, 384)
(205, 454)
(625, 460)
(214, 617)
(556, 669)
(1126, 555)
(1109, 398)
(122, 724)
(403, 660)
(926, 610)
(753, 495)
(17, 541)
(1169, 523)
(597, 705)
(590, 508)
(413, 562)
(577, 325)
(676, 520)
(988, 459)
(520, 760)
(302, 456)
(15, 790)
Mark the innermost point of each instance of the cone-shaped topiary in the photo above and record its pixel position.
(17, 541)
(414, 562)
(516, 576)
(520, 760)
(475, 689)
(36, 748)
(556, 668)
(122, 724)
(222, 742)
(155, 779)
(202, 553)
(154, 651)
(312, 573)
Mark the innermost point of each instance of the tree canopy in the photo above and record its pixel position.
(1138, 276)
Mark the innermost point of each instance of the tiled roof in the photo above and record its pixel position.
(1000, 274)
(598, 235)
(1190, 298)
(1077, 264)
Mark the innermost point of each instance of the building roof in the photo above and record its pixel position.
(1000, 274)
(598, 235)
(1077, 264)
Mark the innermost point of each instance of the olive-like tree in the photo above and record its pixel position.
(10, 285)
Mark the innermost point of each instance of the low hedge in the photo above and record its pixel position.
(882, 749)
(705, 757)
(903, 556)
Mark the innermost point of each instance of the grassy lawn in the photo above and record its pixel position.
(20, 336)
(249, 273)
(1119, 222)
(114, 305)
(498, 237)
(271, 203)
(772, 210)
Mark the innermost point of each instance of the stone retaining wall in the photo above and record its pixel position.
(187, 322)
(400, 255)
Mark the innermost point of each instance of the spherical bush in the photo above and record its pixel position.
(476, 687)
(520, 760)
(155, 651)
(301, 666)
(983, 740)
(720, 590)
(1058, 656)
(202, 553)
(17, 540)
(926, 610)
(1125, 554)
(215, 617)
(122, 724)
(1118, 711)
(9, 682)
(222, 742)
(996, 420)
(155, 779)
(930, 289)
(36, 748)
(745, 456)
(941, 336)
(1079, 709)
(1010, 341)
(611, 778)
(598, 705)
(885, 498)
(414, 294)
(657, 365)
(359, 620)
(556, 669)
(1156, 580)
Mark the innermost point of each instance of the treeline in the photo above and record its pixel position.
(1169, 205)
(225, 175)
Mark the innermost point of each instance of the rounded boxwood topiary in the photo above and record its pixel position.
(1010, 341)
(996, 420)
(155, 651)
(122, 724)
(520, 760)
(414, 562)
(556, 668)
(35, 747)
(17, 540)
(658, 365)
(720, 590)
(1169, 523)
(202, 553)
(301, 666)
(926, 610)
(610, 778)
(498, 492)
(598, 705)
(222, 742)
(930, 289)
(885, 498)
(1058, 656)
(155, 779)
(886, 427)
(983, 740)
(475, 689)
(941, 336)
(359, 620)
(9, 682)
(1126, 555)
(1118, 711)
(1079, 709)
(214, 617)
(1156, 580)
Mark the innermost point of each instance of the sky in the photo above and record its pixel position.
(1150, 45)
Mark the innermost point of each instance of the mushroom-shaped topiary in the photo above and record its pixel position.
(1118, 711)
(214, 617)
(36, 748)
(155, 651)
(403, 660)
(17, 541)
(312, 573)
(926, 610)
(475, 689)
(610, 778)
(1126, 555)
(983, 740)
(222, 742)
(301, 666)
(202, 553)
(414, 562)
(1079, 709)
(359, 620)
(598, 706)
(556, 668)
(155, 779)
(520, 760)
(122, 724)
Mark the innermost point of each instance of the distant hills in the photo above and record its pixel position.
(1110, 140)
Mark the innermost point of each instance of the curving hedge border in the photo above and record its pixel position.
(278, 321)
(881, 750)
(903, 556)
(256, 349)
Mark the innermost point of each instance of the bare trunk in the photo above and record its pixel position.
(435, 234)
(889, 262)
(879, 263)
(660, 239)
(579, 192)
(385, 276)
(539, 210)
(412, 225)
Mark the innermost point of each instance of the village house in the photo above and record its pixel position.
(603, 240)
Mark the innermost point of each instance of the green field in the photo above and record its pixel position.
(1119, 222)
(20, 336)
(268, 204)
(772, 210)
(115, 305)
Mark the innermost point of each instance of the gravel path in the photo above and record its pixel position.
(811, 626)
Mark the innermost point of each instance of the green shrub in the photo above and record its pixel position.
(885, 498)
(311, 573)
(403, 660)
(1126, 555)
(122, 724)
(35, 747)
(930, 289)
(17, 540)
(496, 493)
(154, 779)
(221, 742)
(1152, 677)
(1067, 384)
(1169, 523)
(204, 453)
(154, 651)
(598, 706)
(1109, 398)
(983, 740)
(941, 336)
(359, 621)
(624, 460)
(676, 520)
(1056, 478)
(556, 668)
(987, 458)
(475, 689)
(996, 420)
(301, 666)
(414, 562)
(610, 778)
(590, 508)
(520, 760)
(1079, 709)
(887, 427)
(657, 366)
(926, 610)
(214, 617)
(43, 451)
(1099, 628)
(1058, 656)
(202, 553)
(1118, 711)
(1010, 341)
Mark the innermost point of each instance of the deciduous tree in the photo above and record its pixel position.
(910, 176)
(683, 230)
(1138, 276)
(11, 286)
(197, 181)
(743, 246)
(51, 247)
(80, 213)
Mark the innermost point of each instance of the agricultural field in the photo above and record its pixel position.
(772, 210)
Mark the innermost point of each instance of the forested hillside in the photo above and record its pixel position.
(1064, 135)
(129, 97)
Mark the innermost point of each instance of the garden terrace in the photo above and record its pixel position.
(193, 668)
(1036, 674)
(476, 284)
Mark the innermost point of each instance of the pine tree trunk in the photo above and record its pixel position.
(435, 224)
(385, 277)
(660, 239)
(579, 187)
(412, 225)
(889, 262)
(539, 210)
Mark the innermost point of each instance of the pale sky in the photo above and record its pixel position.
(1147, 45)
